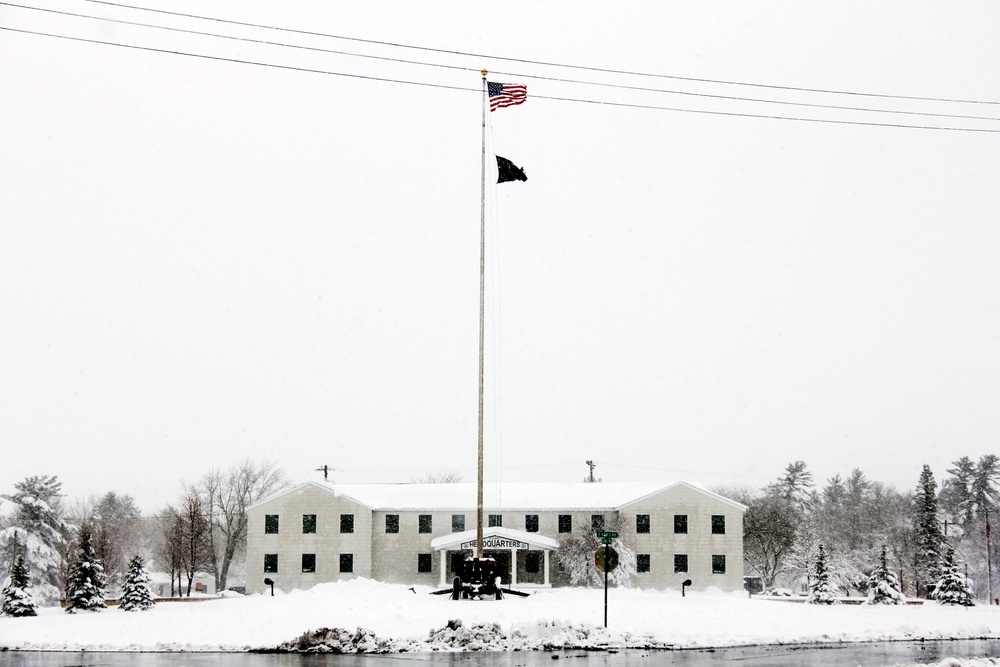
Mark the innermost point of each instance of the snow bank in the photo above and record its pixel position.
(364, 615)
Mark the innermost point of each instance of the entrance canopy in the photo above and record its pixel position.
(497, 539)
(494, 538)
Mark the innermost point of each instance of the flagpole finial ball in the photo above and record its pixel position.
(484, 72)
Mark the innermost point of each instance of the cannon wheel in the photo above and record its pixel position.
(456, 588)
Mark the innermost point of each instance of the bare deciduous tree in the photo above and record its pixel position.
(225, 500)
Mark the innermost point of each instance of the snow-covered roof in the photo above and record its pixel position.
(507, 496)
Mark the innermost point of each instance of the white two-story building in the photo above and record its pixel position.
(416, 533)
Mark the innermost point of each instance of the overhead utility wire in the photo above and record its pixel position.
(478, 90)
(545, 63)
(513, 74)
(240, 39)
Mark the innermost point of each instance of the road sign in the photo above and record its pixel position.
(612, 559)
(606, 534)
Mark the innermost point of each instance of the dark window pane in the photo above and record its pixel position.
(642, 562)
(270, 562)
(308, 562)
(565, 523)
(425, 523)
(642, 523)
(347, 562)
(718, 564)
(347, 523)
(680, 563)
(392, 523)
(532, 562)
(271, 523)
(457, 523)
(308, 523)
(597, 522)
(496, 521)
(531, 523)
(680, 523)
(718, 524)
(424, 562)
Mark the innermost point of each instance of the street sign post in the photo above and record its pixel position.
(606, 560)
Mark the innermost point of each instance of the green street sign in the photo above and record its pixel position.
(606, 534)
(606, 541)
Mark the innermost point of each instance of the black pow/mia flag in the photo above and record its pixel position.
(509, 171)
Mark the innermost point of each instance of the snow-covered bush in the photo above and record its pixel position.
(17, 600)
(136, 595)
(953, 587)
(823, 590)
(86, 582)
(883, 584)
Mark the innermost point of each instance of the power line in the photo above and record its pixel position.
(546, 63)
(511, 74)
(241, 61)
(477, 90)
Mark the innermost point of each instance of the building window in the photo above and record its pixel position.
(532, 562)
(531, 523)
(642, 523)
(425, 523)
(392, 523)
(680, 562)
(347, 523)
(718, 524)
(597, 522)
(347, 562)
(308, 562)
(424, 562)
(565, 523)
(308, 523)
(718, 564)
(496, 521)
(271, 524)
(270, 562)
(642, 562)
(457, 523)
(681, 523)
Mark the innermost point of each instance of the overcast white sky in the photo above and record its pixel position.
(203, 260)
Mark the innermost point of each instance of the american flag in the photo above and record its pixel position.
(506, 94)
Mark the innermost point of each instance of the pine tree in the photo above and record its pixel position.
(17, 600)
(883, 584)
(136, 595)
(953, 587)
(86, 581)
(39, 528)
(930, 540)
(823, 590)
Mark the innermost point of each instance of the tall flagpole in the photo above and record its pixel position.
(482, 328)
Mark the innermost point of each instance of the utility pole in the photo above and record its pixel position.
(326, 472)
(592, 466)
(989, 559)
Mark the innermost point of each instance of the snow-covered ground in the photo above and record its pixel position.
(400, 618)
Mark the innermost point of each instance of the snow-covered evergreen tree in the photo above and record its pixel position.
(883, 584)
(17, 599)
(136, 595)
(953, 587)
(823, 590)
(86, 581)
(37, 525)
(930, 539)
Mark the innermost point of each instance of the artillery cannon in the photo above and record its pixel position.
(476, 579)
